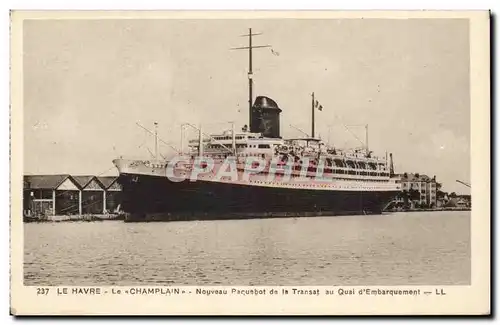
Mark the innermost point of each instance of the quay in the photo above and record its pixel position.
(74, 217)
(456, 208)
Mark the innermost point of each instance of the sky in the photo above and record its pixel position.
(87, 83)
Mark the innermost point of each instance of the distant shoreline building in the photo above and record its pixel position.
(419, 190)
(459, 201)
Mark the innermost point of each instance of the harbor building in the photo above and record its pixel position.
(50, 195)
(420, 188)
(92, 194)
(458, 201)
(112, 193)
(64, 194)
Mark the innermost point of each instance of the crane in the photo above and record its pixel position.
(466, 184)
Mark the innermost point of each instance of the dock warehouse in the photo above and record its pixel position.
(66, 194)
(50, 195)
(92, 194)
(112, 193)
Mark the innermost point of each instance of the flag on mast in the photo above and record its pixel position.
(318, 106)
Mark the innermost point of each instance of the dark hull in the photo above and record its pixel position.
(150, 198)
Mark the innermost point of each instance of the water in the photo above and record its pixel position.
(428, 248)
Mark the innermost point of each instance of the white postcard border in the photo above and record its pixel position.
(473, 299)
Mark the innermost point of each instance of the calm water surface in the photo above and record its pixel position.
(394, 249)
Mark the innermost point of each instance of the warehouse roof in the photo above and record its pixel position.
(44, 181)
(53, 182)
(83, 180)
(107, 181)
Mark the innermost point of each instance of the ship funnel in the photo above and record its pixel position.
(265, 117)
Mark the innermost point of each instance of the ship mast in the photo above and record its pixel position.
(156, 141)
(182, 139)
(250, 47)
(200, 141)
(391, 166)
(366, 141)
(233, 137)
(312, 119)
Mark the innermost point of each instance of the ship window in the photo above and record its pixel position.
(339, 163)
(350, 163)
(264, 146)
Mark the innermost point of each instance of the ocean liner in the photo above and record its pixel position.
(255, 173)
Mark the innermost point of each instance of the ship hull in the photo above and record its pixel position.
(155, 198)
